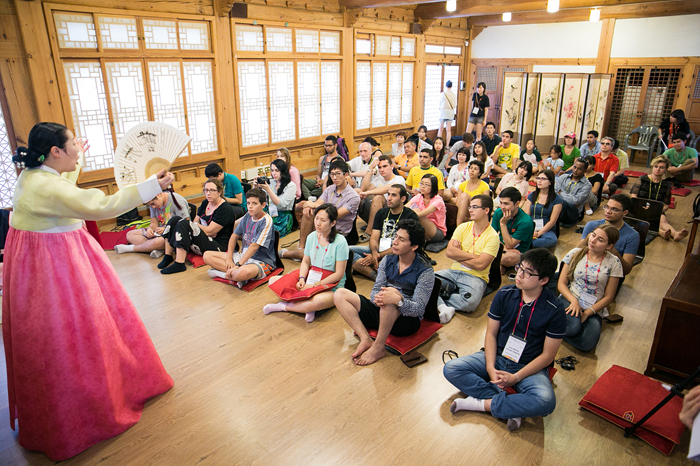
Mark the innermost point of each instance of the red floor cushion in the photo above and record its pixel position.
(195, 260)
(691, 183)
(681, 192)
(252, 284)
(405, 344)
(634, 174)
(623, 397)
(109, 239)
(672, 204)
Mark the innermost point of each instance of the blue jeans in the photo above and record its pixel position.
(465, 289)
(582, 336)
(534, 397)
(359, 252)
(547, 240)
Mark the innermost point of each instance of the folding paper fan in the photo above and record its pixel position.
(146, 149)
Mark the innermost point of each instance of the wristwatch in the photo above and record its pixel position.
(237, 264)
(399, 304)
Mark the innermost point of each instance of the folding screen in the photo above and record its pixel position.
(530, 108)
(547, 109)
(513, 91)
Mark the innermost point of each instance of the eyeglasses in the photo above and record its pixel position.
(328, 145)
(475, 207)
(426, 185)
(214, 190)
(541, 178)
(336, 174)
(519, 268)
(605, 144)
(612, 209)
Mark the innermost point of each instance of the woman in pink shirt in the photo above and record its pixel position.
(283, 153)
(518, 180)
(430, 209)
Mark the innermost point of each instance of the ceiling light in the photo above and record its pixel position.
(552, 6)
(451, 5)
(507, 17)
(595, 15)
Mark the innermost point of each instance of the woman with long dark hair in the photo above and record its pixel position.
(80, 363)
(283, 154)
(544, 206)
(430, 208)
(675, 123)
(280, 196)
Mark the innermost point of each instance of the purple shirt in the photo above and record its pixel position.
(348, 199)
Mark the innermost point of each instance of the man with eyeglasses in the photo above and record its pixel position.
(525, 328)
(314, 187)
(607, 164)
(341, 195)
(425, 167)
(574, 188)
(625, 248)
(473, 247)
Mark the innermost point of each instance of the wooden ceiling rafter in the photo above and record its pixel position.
(223, 7)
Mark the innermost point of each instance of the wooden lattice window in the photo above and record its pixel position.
(8, 175)
(436, 75)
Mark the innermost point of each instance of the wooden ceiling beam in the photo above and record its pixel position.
(649, 10)
(383, 3)
(222, 7)
(498, 7)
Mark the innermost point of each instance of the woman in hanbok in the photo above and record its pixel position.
(80, 363)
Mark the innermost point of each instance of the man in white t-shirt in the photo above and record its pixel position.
(374, 191)
(360, 165)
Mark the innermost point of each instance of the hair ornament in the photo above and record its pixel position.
(42, 158)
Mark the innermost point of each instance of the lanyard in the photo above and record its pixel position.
(323, 259)
(658, 189)
(395, 223)
(475, 239)
(596, 275)
(541, 211)
(520, 310)
(569, 185)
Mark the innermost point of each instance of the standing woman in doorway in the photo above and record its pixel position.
(447, 105)
(480, 110)
(80, 363)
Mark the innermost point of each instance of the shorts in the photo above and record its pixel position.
(477, 120)
(439, 236)
(264, 269)
(369, 315)
(449, 120)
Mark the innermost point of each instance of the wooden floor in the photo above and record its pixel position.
(274, 390)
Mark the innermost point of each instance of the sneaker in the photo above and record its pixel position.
(589, 212)
(156, 253)
(312, 198)
(364, 237)
(514, 423)
(281, 253)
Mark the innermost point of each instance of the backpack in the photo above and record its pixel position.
(343, 149)
(696, 207)
(128, 217)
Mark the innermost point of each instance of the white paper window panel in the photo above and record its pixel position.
(433, 87)
(363, 93)
(282, 121)
(409, 46)
(88, 104)
(394, 109)
(194, 35)
(330, 97)
(252, 88)
(407, 94)
(127, 95)
(363, 46)
(167, 96)
(430, 48)
(453, 50)
(382, 45)
(309, 99)
(307, 41)
(160, 34)
(278, 39)
(330, 41)
(395, 46)
(379, 78)
(8, 176)
(249, 38)
(452, 74)
(75, 31)
(201, 113)
(118, 33)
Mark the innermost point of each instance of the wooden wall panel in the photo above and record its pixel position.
(195, 7)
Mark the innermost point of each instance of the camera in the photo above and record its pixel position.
(263, 180)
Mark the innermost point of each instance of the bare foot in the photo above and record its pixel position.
(666, 234)
(681, 234)
(372, 355)
(361, 348)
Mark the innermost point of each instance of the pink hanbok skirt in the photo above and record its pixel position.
(80, 363)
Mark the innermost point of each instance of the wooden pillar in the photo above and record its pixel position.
(347, 89)
(229, 126)
(419, 83)
(465, 95)
(605, 45)
(42, 74)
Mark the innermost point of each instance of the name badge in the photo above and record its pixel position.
(514, 348)
(202, 221)
(587, 300)
(475, 111)
(324, 175)
(539, 223)
(273, 210)
(504, 165)
(384, 244)
(314, 277)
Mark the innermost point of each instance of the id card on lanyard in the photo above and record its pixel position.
(515, 347)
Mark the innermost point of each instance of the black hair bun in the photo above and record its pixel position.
(27, 157)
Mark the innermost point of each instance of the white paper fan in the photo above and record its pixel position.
(146, 149)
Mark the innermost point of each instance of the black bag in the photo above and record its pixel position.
(128, 217)
(696, 207)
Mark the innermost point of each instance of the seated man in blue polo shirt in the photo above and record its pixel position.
(514, 226)
(399, 296)
(626, 247)
(525, 328)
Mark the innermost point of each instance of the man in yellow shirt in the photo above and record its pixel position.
(409, 159)
(425, 167)
(473, 247)
(506, 154)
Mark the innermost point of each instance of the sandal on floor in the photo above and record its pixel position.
(364, 237)
(281, 254)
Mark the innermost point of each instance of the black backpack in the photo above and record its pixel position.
(128, 217)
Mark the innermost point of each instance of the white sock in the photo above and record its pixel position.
(467, 404)
(310, 316)
(156, 253)
(514, 423)
(277, 307)
(446, 313)
(122, 248)
(213, 273)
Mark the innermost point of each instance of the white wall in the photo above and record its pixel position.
(556, 40)
(668, 36)
(563, 69)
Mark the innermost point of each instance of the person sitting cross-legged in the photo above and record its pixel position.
(430, 208)
(367, 258)
(473, 247)
(524, 331)
(514, 226)
(374, 193)
(425, 166)
(257, 258)
(544, 206)
(474, 186)
(574, 188)
(398, 299)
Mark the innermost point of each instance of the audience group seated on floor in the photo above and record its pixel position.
(488, 203)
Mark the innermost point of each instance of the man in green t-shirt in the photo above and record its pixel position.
(506, 154)
(684, 160)
(514, 227)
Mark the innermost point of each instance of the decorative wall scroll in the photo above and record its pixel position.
(511, 114)
(573, 100)
(530, 106)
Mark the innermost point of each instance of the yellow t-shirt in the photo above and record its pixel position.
(416, 173)
(510, 156)
(483, 188)
(487, 242)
